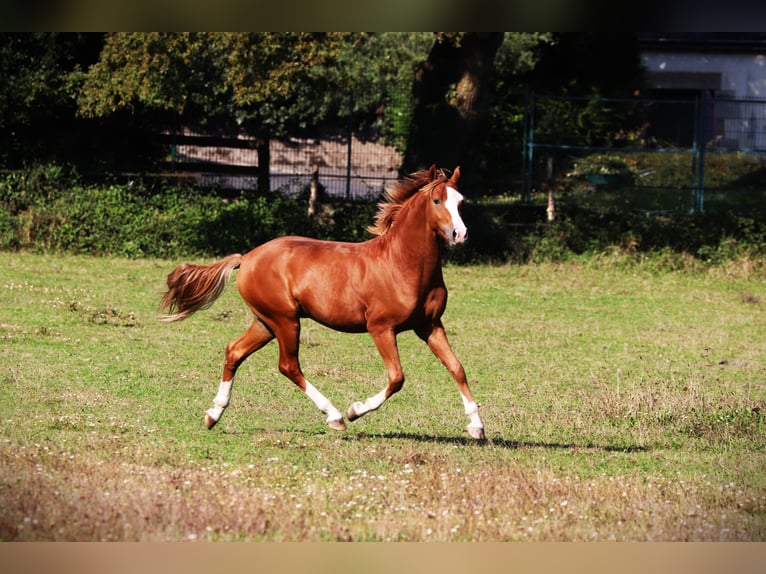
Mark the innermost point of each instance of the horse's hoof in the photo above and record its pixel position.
(209, 421)
(476, 432)
(353, 411)
(338, 425)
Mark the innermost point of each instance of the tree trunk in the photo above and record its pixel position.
(264, 165)
(313, 191)
(450, 92)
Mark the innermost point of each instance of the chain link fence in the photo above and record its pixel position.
(352, 165)
(651, 155)
(660, 155)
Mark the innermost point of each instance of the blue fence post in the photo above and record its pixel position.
(350, 138)
(701, 147)
(529, 117)
(693, 198)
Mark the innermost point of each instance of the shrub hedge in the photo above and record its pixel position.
(49, 208)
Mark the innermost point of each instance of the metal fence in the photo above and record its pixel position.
(353, 165)
(736, 124)
(663, 155)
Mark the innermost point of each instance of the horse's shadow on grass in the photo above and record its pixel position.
(497, 442)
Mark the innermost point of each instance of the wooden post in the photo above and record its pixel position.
(551, 211)
(313, 191)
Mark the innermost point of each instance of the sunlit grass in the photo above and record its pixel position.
(620, 403)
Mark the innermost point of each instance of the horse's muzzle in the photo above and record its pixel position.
(459, 234)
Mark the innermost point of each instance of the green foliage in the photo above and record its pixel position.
(35, 68)
(156, 70)
(266, 83)
(379, 69)
(37, 94)
(501, 231)
(49, 208)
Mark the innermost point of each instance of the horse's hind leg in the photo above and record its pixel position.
(288, 336)
(236, 352)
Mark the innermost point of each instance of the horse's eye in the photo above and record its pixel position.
(437, 201)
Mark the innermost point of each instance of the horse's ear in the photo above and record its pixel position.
(432, 172)
(455, 176)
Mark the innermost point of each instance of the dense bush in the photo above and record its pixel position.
(520, 233)
(48, 208)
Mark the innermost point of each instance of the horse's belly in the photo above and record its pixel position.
(343, 326)
(336, 308)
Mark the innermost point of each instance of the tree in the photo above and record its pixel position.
(37, 94)
(446, 98)
(262, 83)
(181, 74)
(378, 70)
(451, 91)
(501, 143)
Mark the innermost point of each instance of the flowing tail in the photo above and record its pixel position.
(195, 287)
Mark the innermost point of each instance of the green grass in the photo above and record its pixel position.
(621, 402)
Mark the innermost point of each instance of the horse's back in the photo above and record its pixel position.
(304, 253)
(306, 277)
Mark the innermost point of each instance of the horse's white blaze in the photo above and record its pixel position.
(221, 400)
(323, 403)
(459, 231)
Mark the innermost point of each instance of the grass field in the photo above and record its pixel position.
(621, 402)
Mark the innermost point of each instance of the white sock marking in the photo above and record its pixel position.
(371, 404)
(472, 410)
(374, 402)
(221, 400)
(323, 403)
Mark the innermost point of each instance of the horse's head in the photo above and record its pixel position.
(445, 201)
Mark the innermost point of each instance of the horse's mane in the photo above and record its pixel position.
(396, 197)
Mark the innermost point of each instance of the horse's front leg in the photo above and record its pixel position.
(385, 341)
(436, 338)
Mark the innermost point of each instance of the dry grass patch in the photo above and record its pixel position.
(66, 496)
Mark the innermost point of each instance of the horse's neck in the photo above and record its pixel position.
(413, 242)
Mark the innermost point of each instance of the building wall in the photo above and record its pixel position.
(729, 78)
(741, 75)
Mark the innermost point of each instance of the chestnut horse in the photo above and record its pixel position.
(386, 285)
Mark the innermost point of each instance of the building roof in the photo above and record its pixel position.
(718, 42)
